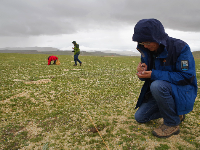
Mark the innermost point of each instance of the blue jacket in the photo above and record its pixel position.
(175, 64)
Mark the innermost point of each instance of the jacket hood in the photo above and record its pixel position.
(74, 42)
(150, 30)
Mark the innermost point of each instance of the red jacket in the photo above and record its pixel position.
(51, 58)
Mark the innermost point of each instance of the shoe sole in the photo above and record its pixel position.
(175, 133)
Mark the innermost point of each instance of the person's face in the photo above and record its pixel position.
(152, 46)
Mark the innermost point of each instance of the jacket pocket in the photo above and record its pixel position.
(186, 98)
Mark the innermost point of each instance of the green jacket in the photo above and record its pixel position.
(76, 49)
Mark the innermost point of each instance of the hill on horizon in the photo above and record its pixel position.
(55, 51)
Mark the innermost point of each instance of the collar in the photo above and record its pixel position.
(163, 53)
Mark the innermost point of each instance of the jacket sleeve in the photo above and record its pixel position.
(180, 75)
(76, 50)
(143, 61)
(49, 61)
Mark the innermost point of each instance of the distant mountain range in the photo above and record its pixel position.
(31, 48)
(55, 51)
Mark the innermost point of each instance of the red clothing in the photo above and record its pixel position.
(51, 58)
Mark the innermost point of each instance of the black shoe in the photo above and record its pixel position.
(80, 64)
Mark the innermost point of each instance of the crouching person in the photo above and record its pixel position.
(168, 68)
(52, 58)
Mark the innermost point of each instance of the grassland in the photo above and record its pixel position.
(47, 107)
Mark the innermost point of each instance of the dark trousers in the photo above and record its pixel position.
(160, 105)
(76, 59)
(54, 62)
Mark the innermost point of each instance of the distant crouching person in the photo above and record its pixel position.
(52, 58)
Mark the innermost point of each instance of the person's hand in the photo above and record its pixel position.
(72, 48)
(144, 74)
(141, 67)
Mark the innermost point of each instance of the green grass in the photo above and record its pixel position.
(50, 115)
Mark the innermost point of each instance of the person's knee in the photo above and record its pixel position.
(160, 85)
(139, 118)
(156, 89)
(155, 85)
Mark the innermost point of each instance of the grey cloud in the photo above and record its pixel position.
(178, 14)
(51, 17)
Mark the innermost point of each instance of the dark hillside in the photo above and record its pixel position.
(196, 54)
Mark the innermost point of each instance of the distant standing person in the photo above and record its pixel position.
(52, 58)
(76, 53)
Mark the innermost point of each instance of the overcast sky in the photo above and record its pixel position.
(94, 24)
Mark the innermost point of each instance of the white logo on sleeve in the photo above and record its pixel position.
(184, 65)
